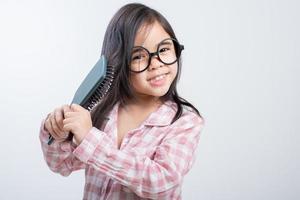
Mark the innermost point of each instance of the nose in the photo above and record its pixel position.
(155, 62)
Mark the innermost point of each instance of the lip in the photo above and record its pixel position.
(153, 77)
(158, 81)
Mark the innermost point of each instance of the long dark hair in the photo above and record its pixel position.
(118, 42)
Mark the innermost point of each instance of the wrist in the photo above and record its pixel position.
(78, 138)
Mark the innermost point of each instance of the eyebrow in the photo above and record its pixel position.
(166, 42)
(136, 48)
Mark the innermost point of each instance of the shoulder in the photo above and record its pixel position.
(188, 117)
(188, 125)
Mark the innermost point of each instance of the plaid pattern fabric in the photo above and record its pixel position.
(150, 164)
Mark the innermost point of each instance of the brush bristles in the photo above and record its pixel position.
(102, 90)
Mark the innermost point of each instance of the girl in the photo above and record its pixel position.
(139, 141)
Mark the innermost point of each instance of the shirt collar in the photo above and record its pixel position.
(163, 116)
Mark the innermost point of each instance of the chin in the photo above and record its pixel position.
(161, 92)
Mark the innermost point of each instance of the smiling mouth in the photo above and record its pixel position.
(158, 77)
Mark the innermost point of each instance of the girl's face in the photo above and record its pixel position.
(156, 80)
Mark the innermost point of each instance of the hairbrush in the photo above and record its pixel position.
(94, 87)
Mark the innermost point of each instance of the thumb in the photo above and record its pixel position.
(66, 108)
(76, 107)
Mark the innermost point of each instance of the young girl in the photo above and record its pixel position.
(139, 141)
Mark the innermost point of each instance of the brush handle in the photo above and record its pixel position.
(50, 140)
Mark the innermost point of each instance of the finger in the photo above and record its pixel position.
(48, 116)
(58, 116)
(47, 125)
(50, 129)
(67, 124)
(76, 107)
(66, 108)
(71, 114)
(69, 121)
(68, 127)
(59, 136)
(54, 125)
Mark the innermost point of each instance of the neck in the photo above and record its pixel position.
(144, 104)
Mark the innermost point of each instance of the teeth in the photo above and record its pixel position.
(157, 78)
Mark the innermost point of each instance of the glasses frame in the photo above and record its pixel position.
(156, 53)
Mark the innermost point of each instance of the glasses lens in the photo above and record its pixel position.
(139, 59)
(167, 51)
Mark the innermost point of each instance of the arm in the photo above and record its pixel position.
(148, 178)
(58, 155)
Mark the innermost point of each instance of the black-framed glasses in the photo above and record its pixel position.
(168, 52)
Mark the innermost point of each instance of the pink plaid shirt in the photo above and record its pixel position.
(150, 164)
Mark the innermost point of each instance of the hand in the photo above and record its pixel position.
(54, 123)
(78, 121)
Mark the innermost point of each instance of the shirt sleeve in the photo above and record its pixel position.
(59, 155)
(153, 178)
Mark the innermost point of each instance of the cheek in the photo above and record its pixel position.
(174, 70)
(137, 81)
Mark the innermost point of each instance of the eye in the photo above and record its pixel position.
(139, 54)
(164, 50)
(136, 57)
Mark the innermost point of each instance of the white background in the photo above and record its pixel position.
(240, 69)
